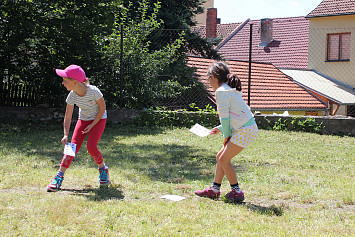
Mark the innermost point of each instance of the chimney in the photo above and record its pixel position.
(265, 32)
(211, 23)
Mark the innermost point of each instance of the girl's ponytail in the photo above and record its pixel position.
(234, 82)
(87, 82)
(221, 71)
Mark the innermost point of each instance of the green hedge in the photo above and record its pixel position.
(177, 118)
(209, 118)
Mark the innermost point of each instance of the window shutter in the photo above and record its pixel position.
(345, 46)
(333, 47)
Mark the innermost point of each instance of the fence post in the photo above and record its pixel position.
(121, 69)
(250, 47)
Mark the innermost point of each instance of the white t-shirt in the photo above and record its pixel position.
(88, 107)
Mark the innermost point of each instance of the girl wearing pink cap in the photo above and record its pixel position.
(91, 121)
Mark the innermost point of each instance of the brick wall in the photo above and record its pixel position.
(211, 23)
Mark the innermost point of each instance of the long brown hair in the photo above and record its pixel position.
(221, 71)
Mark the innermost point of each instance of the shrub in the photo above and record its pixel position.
(299, 124)
(207, 117)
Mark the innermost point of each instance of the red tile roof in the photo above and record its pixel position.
(270, 88)
(223, 30)
(289, 48)
(333, 8)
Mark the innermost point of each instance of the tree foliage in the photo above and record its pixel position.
(177, 15)
(38, 36)
(141, 65)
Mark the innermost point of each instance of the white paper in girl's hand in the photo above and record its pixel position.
(69, 149)
(200, 130)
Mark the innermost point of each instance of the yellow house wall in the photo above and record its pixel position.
(319, 27)
(201, 18)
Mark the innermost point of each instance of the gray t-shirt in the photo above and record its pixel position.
(88, 107)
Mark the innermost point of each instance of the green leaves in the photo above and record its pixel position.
(141, 65)
(299, 124)
(38, 36)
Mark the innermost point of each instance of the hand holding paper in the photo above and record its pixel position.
(200, 130)
(69, 149)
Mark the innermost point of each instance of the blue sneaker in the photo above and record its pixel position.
(55, 185)
(104, 175)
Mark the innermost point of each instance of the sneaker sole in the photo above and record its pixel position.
(103, 184)
(227, 200)
(213, 198)
(52, 190)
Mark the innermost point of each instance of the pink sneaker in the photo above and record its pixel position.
(208, 192)
(234, 196)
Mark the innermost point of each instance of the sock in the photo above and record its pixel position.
(103, 167)
(60, 173)
(215, 187)
(235, 187)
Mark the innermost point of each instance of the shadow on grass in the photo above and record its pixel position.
(102, 193)
(169, 162)
(273, 210)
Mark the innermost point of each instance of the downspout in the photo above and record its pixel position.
(333, 112)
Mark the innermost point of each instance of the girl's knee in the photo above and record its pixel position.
(92, 150)
(222, 160)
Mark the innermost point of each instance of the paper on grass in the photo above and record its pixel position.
(174, 198)
(69, 149)
(200, 130)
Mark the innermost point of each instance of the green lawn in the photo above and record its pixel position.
(295, 184)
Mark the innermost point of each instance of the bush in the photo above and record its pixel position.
(299, 124)
(207, 117)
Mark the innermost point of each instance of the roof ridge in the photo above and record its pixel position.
(333, 8)
(235, 31)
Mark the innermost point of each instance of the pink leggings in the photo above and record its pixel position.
(78, 138)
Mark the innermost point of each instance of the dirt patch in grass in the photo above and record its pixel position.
(337, 206)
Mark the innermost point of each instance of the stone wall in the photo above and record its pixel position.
(332, 124)
(340, 125)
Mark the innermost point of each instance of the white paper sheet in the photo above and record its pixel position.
(174, 198)
(200, 130)
(69, 149)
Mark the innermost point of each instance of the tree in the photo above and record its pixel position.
(141, 65)
(177, 15)
(38, 36)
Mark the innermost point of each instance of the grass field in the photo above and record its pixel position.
(295, 184)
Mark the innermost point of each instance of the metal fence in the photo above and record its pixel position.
(329, 75)
(326, 70)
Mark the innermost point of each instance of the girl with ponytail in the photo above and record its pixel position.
(237, 126)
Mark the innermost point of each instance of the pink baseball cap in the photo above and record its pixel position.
(72, 71)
